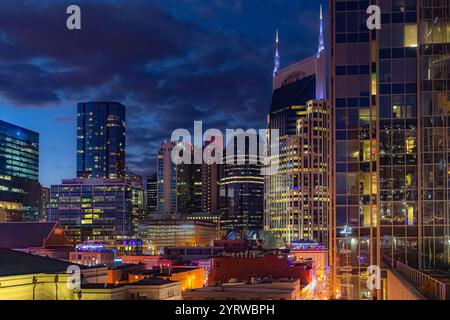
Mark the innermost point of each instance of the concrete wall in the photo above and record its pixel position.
(171, 291)
(398, 288)
(44, 287)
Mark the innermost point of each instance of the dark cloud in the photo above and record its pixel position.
(167, 70)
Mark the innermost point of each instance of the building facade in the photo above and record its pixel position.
(242, 190)
(151, 196)
(44, 203)
(93, 209)
(19, 172)
(101, 133)
(390, 177)
(178, 232)
(134, 184)
(187, 188)
(297, 196)
(166, 172)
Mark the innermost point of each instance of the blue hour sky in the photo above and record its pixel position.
(170, 62)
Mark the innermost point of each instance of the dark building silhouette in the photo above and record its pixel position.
(151, 200)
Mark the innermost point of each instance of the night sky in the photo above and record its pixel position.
(169, 61)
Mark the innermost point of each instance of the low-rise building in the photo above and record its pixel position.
(246, 266)
(178, 232)
(316, 253)
(24, 276)
(92, 258)
(147, 289)
(189, 277)
(191, 253)
(46, 239)
(278, 290)
(149, 262)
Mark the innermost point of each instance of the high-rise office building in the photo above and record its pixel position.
(93, 209)
(309, 174)
(186, 188)
(101, 140)
(297, 196)
(166, 172)
(189, 188)
(210, 187)
(391, 175)
(151, 199)
(242, 190)
(19, 173)
(135, 186)
(44, 203)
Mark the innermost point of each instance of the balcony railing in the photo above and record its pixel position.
(430, 287)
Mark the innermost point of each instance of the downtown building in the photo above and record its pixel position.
(95, 209)
(104, 202)
(135, 185)
(151, 196)
(19, 173)
(297, 196)
(391, 174)
(242, 189)
(187, 188)
(101, 133)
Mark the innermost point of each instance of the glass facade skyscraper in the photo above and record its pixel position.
(242, 191)
(101, 140)
(19, 171)
(297, 196)
(389, 93)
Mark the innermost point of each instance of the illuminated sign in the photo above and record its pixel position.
(346, 231)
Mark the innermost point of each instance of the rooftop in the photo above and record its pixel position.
(274, 287)
(152, 282)
(14, 263)
(161, 272)
(22, 235)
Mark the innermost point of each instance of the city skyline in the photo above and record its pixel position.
(315, 170)
(157, 92)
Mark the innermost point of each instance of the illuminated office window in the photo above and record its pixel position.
(410, 35)
(374, 84)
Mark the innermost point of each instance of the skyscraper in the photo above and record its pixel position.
(101, 140)
(44, 202)
(166, 172)
(19, 173)
(242, 191)
(391, 172)
(296, 197)
(151, 196)
(185, 188)
(136, 188)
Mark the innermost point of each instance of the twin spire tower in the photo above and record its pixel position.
(277, 45)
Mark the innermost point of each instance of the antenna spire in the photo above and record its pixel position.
(321, 38)
(277, 55)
